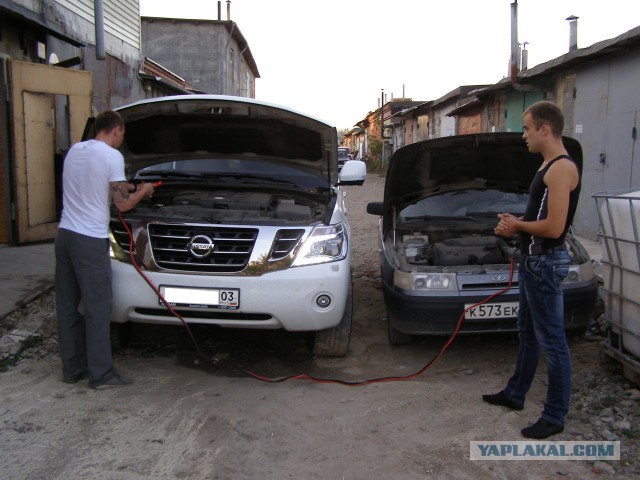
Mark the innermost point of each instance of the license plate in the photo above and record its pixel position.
(492, 310)
(224, 298)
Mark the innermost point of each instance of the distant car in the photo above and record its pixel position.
(249, 227)
(353, 172)
(343, 156)
(439, 254)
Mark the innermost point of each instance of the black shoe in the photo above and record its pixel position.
(500, 399)
(541, 430)
(75, 379)
(116, 380)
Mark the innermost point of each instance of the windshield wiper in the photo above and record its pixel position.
(165, 174)
(494, 214)
(439, 217)
(247, 178)
(227, 177)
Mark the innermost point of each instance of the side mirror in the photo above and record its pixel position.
(375, 208)
(353, 173)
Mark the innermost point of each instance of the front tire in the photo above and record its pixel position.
(396, 337)
(334, 342)
(121, 334)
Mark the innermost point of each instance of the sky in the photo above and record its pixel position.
(331, 59)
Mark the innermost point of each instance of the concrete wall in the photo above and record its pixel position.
(204, 53)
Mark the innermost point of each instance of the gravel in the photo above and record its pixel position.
(605, 404)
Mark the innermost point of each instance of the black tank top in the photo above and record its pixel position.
(537, 210)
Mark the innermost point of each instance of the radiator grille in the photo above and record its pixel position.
(173, 247)
(285, 242)
(121, 235)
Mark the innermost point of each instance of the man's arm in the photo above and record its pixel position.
(561, 179)
(126, 195)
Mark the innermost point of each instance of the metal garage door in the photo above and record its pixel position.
(50, 106)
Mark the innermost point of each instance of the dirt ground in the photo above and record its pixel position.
(187, 419)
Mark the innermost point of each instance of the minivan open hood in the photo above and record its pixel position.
(446, 164)
(159, 130)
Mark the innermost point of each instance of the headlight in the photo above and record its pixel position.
(579, 273)
(325, 244)
(425, 281)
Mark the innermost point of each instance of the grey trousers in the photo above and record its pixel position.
(83, 273)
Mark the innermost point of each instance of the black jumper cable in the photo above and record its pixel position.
(217, 362)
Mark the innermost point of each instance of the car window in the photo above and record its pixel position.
(468, 202)
(343, 153)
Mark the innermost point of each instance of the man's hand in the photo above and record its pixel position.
(146, 189)
(507, 226)
(125, 199)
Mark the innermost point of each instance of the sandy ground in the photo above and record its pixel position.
(186, 419)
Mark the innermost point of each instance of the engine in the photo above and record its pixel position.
(227, 206)
(456, 251)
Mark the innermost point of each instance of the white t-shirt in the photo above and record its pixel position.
(88, 169)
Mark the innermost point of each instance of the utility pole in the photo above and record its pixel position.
(382, 114)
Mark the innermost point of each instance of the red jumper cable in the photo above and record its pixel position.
(217, 362)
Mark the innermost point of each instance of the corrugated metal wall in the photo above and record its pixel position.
(606, 117)
(121, 17)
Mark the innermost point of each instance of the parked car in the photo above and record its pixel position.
(353, 172)
(343, 156)
(249, 228)
(439, 254)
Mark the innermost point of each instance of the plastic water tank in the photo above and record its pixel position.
(619, 213)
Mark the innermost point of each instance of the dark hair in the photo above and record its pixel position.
(549, 113)
(108, 120)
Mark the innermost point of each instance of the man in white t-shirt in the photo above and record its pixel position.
(93, 176)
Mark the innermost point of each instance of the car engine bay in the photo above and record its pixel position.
(436, 249)
(212, 205)
(432, 249)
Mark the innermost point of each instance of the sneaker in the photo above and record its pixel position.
(541, 429)
(501, 399)
(116, 380)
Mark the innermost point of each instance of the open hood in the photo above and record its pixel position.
(491, 160)
(163, 129)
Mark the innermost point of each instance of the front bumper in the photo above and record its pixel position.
(282, 299)
(439, 315)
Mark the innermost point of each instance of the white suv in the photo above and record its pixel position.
(249, 227)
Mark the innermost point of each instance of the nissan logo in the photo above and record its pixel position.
(200, 246)
(499, 278)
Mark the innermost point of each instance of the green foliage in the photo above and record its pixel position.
(375, 147)
(374, 156)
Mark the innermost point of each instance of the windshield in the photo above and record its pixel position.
(232, 170)
(343, 153)
(467, 203)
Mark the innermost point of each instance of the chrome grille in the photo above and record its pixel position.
(230, 253)
(285, 242)
(121, 235)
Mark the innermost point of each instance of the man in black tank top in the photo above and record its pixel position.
(545, 263)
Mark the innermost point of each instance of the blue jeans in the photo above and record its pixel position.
(541, 328)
